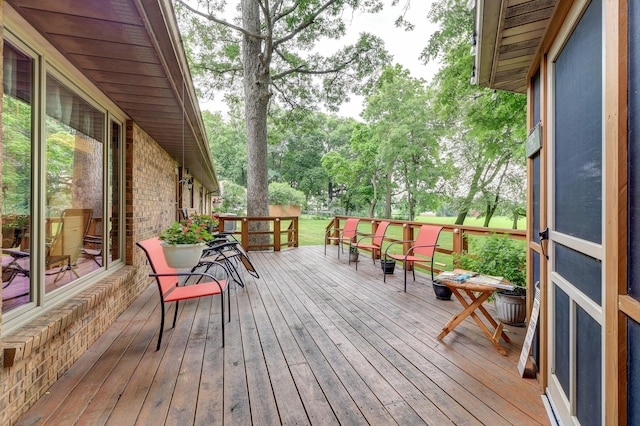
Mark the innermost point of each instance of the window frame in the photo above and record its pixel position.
(47, 60)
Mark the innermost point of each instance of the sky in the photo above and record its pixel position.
(404, 46)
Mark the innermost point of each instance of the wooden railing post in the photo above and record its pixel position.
(459, 242)
(374, 227)
(276, 234)
(407, 235)
(294, 222)
(244, 233)
(336, 233)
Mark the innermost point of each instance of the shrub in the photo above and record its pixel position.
(234, 198)
(496, 255)
(282, 194)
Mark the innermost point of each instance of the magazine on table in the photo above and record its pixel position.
(475, 278)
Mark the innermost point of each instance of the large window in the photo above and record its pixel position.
(61, 185)
(74, 195)
(17, 135)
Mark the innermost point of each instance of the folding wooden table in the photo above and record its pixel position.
(477, 294)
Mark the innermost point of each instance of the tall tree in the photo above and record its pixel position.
(483, 131)
(400, 114)
(277, 57)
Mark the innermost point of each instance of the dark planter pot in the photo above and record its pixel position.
(388, 266)
(442, 291)
(353, 256)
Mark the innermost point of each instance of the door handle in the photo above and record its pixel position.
(543, 235)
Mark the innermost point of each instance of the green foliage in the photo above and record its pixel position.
(402, 120)
(496, 255)
(234, 198)
(480, 127)
(283, 194)
(279, 56)
(228, 144)
(205, 220)
(16, 152)
(186, 232)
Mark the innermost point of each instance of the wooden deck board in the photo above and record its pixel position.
(310, 342)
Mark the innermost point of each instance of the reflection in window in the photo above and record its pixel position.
(16, 177)
(74, 185)
(114, 189)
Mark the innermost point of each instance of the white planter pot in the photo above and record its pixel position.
(182, 255)
(510, 309)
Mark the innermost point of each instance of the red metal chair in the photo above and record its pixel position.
(345, 235)
(376, 242)
(421, 251)
(171, 290)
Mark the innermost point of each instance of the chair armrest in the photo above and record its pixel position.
(396, 242)
(333, 229)
(363, 236)
(412, 248)
(199, 274)
(15, 253)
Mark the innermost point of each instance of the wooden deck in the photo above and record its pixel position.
(310, 342)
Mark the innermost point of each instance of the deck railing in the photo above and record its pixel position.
(454, 243)
(283, 231)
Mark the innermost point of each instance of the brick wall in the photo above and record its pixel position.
(37, 354)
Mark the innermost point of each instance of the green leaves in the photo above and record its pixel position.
(498, 256)
(283, 194)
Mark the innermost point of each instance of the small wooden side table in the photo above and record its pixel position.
(477, 293)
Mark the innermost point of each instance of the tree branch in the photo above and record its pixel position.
(291, 102)
(304, 25)
(219, 71)
(212, 18)
(284, 13)
(300, 70)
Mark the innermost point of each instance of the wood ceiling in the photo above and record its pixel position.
(132, 51)
(509, 33)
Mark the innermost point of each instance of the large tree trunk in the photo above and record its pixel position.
(491, 208)
(466, 203)
(256, 91)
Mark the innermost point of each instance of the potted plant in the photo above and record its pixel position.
(387, 265)
(441, 291)
(183, 243)
(501, 256)
(208, 221)
(353, 254)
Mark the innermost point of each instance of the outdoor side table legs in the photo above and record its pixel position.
(469, 310)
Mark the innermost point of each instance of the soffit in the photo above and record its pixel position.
(509, 34)
(132, 51)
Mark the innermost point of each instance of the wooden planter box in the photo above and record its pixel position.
(282, 210)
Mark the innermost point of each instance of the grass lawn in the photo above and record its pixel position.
(312, 231)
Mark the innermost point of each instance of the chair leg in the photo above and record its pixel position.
(161, 325)
(175, 315)
(404, 266)
(222, 314)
